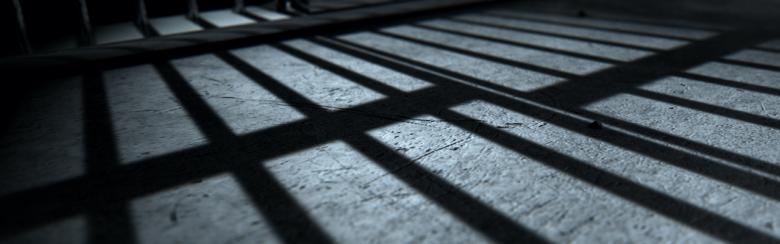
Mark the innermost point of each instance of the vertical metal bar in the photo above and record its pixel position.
(192, 11)
(142, 19)
(87, 36)
(24, 41)
(239, 6)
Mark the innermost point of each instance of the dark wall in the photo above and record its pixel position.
(758, 12)
(53, 19)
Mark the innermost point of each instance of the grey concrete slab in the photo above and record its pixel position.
(225, 18)
(265, 13)
(119, 32)
(681, 32)
(70, 230)
(173, 25)
(243, 104)
(215, 207)
(324, 88)
(616, 37)
(389, 151)
(757, 57)
(563, 63)
(738, 73)
(774, 44)
(381, 74)
(509, 76)
(358, 202)
(48, 143)
(148, 121)
(597, 50)
(528, 192)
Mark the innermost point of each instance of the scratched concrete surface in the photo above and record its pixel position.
(498, 125)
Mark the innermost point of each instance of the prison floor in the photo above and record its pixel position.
(503, 125)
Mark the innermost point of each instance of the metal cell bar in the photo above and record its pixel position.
(87, 36)
(24, 41)
(192, 9)
(239, 6)
(142, 19)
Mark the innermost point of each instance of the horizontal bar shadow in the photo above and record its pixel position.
(657, 135)
(488, 57)
(708, 108)
(726, 112)
(287, 217)
(616, 30)
(670, 207)
(520, 44)
(748, 181)
(553, 34)
(479, 216)
(752, 64)
(701, 219)
(730, 83)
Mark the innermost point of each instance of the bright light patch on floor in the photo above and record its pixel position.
(225, 18)
(148, 119)
(325, 89)
(356, 201)
(213, 210)
(509, 76)
(379, 73)
(528, 56)
(738, 73)
(239, 101)
(564, 44)
(610, 36)
(173, 25)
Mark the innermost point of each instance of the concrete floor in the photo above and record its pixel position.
(499, 125)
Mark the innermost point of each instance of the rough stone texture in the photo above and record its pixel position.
(393, 147)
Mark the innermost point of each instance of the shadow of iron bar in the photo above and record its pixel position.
(287, 217)
(119, 181)
(553, 34)
(519, 44)
(751, 64)
(56, 201)
(107, 221)
(667, 23)
(707, 108)
(474, 213)
(489, 57)
(693, 216)
(613, 88)
(628, 126)
(583, 25)
(727, 174)
(726, 112)
(729, 83)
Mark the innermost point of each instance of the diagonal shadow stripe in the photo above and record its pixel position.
(693, 216)
(553, 34)
(751, 64)
(726, 112)
(479, 216)
(701, 219)
(108, 221)
(174, 163)
(526, 66)
(519, 44)
(694, 163)
(729, 83)
(616, 30)
(287, 217)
